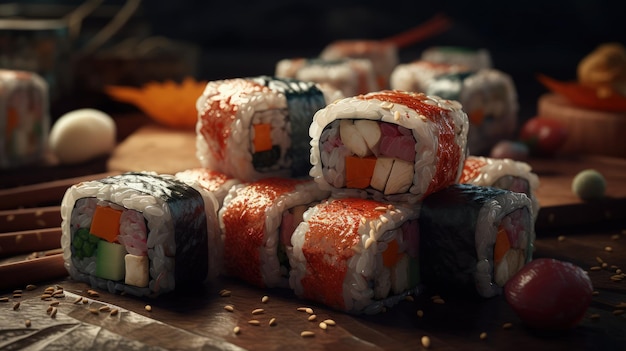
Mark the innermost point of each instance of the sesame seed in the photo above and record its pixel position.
(439, 301)
(396, 116)
(381, 209)
(236, 330)
(17, 291)
(594, 316)
(16, 306)
(17, 296)
(258, 311)
(229, 308)
(309, 310)
(114, 312)
(330, 322)
(386, 105)
(507, 325)
(92, 293)
(53, 313)
(312, 317)
(483, 336)
(561, 238)
(225, 293)
(608, 249)
(265, 299)
(54, 303)
(27, 323)
(104, 309)
(599, 259)
(31, 287)
(272, 322)
(420, 313)
(425, 341)
(307, 334)
(409, 298)
(605, 265)
(254, 322)
(49, 309)
(94, 311)
(323, 326)
(369, 242)
(615, 237)
(148, 308)
(621, 305)
(595, 268)
(595, 293)
(45, 296)
(618, 312)
(78, 299)
(4, 299)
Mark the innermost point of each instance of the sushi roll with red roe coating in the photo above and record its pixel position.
(356, 255)
(254, 128)
(257, 220)
(389, 145)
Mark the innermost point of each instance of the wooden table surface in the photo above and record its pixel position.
(567, 229)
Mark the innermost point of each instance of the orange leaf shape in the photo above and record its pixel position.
(168, 103)
(585, 97)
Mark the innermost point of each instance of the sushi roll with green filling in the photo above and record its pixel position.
(254, 128)
(389, 146)
(140, 233)
(356, 255)
(473, 239)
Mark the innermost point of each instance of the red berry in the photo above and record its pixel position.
(549, 294)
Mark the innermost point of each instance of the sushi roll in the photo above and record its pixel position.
(388, 145)
(24, 118)
(417, 75)
(253, 128)
(350, 76)
(142, 234)
(382, 54)
(473, 239)
(356, 255)
(489, 98)
(475, 59)
(504, 174)
(213, 181)
(257, 220)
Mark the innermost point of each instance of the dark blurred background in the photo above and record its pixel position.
(210, 40)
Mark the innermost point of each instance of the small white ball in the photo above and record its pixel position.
(82, 135)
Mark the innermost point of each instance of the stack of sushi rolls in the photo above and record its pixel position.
(253, 128)
(488, 96)
(142, 234)
(350, 76)
(388, 145)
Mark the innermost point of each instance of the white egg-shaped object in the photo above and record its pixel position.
(82, 135)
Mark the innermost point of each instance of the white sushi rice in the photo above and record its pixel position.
(492, 213)
(161, 237)
(304, 194)
(474, 58)
(238, 149)
(424, 132)
(417, 76)
(368, 286)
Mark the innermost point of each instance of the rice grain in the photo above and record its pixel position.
(425, 341)
(258, 311)
(307, 334)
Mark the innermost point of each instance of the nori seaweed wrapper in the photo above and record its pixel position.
(304, 99)
(448, 221)
(190, 223)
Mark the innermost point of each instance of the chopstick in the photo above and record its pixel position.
(30, 218)
(16, 274)
(42, 193)
(14, 243)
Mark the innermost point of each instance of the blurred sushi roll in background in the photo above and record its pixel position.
(356, 255)
(382, 54)
(253, 128)
(474, 59)
(142, 234)
(24, 118)
(257, 221)
(417, 75)
(505, 174)
(473, 239)
(489, 98)
(388, 145)
(350, 76)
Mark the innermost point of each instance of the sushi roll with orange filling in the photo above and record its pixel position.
(350, 76)
(473, 239)
(253, 128)
(257, 221)
(388, 145)
(356, 255)
(142, 233)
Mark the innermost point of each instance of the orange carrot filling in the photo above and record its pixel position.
(502, 245)
(105, 223)
(262, 137)
(359, 171)
(392, 255)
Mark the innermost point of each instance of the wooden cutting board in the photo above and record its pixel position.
(163, 150)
